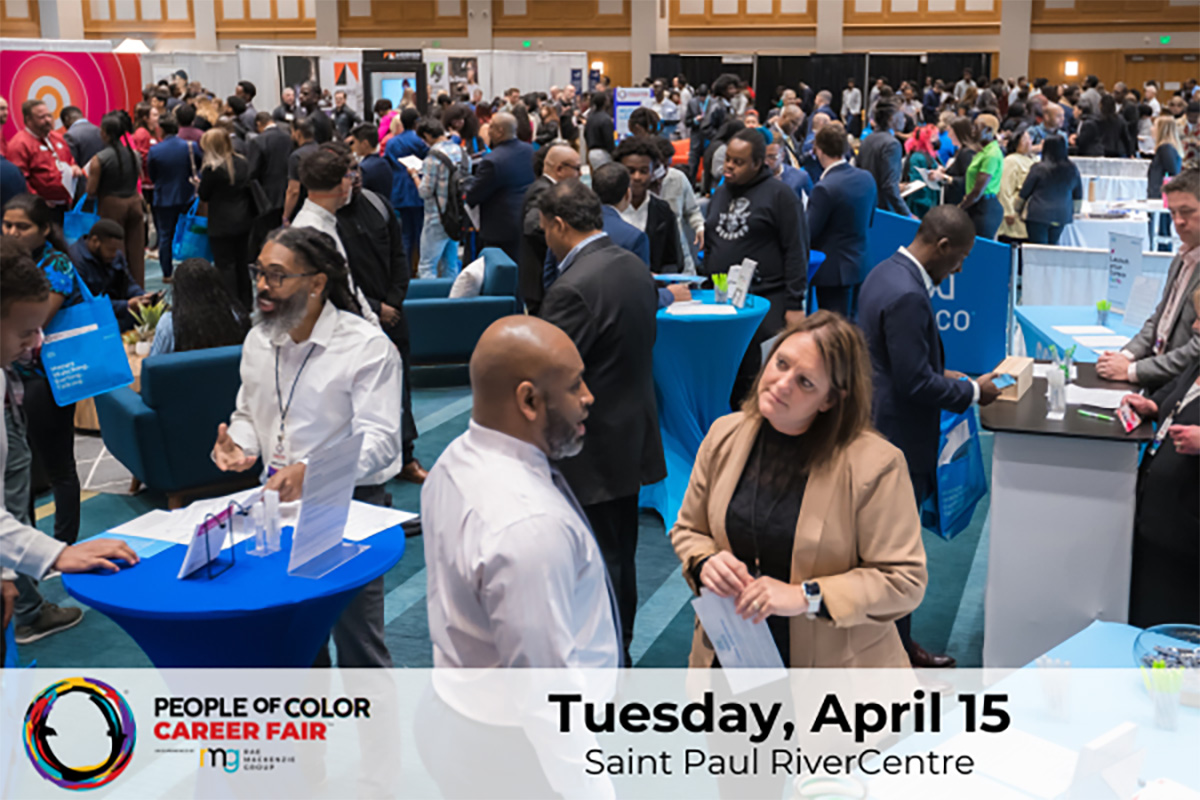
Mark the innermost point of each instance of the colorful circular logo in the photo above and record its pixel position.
(122, 733)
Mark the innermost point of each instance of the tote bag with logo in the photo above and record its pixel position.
(191, 236)
(83, 354)
(78, 223)
(961, 481)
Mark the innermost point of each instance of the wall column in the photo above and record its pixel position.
(326, 16)
(830, 16)
(1016, 16)
(643, 35)
(479, 24)
(62, 19)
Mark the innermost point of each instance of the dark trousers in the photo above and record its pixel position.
(1042, 232)
(52, 438)
(772, 324)
(1164, 584)
(408, 425)
(412, 220)
(232, 260)
(923, 485)
(165, 219)
(511, 246)
(987, 214)
(841, 299)
(358, 633)
(615, 524)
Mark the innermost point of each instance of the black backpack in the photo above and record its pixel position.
(454, 215)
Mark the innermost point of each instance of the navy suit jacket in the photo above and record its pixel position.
(840, 211)
(798, 179)
(881, 154)
(896, 314)
(499, 189)
(169, 168)
(625, 235)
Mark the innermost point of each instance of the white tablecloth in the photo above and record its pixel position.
(1106, 188)
(1093, 233)
(1112, 167)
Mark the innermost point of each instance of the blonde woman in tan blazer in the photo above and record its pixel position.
(805, 514)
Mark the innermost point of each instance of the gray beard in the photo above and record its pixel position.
(287, 315)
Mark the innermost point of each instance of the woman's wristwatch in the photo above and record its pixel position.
(812, 593)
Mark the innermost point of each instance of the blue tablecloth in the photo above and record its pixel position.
(252, 615)
(695, 362)
(1037, 326)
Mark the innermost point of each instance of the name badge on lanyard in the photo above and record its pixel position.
(281, 456)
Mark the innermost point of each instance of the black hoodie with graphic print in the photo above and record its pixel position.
(764, 221)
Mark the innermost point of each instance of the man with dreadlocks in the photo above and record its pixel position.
(315, 373)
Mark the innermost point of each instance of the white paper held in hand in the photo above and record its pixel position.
(329, 476)
(746, 651)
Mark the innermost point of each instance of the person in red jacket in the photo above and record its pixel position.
(42, 155)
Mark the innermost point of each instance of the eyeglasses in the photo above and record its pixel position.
(273, 278)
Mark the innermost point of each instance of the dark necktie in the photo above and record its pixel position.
(549, 270)
(560, 483)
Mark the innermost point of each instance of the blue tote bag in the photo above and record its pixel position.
(191, 236)
(961, 482)
(83, 354)
(78, 223)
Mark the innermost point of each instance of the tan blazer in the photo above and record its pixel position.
(858, 535)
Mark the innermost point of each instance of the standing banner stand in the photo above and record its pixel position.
(972, 307)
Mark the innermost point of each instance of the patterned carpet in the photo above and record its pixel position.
(949, 620)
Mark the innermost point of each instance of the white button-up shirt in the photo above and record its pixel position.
(515, 577)
(931, 288)
(350, 384)
(314, 216)
(635, 216)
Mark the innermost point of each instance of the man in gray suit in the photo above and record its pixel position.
(1167, 343)
(881, 155)
(82, 136)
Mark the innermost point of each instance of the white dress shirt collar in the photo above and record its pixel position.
(834, 165)
(928, 281)
(529, 454)
(569, 258)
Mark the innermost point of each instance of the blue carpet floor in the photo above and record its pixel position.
(949, 620)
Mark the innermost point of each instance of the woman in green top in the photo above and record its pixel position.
(983, 179)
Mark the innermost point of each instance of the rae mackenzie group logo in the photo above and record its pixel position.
(39, 734)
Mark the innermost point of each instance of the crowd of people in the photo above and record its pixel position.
(318, 220)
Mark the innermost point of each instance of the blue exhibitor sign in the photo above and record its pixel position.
(971, 307)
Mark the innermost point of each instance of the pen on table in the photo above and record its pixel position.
(1094, 415)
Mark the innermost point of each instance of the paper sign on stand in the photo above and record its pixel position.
(1124, 267)
(740, 278)
(317, 546)
(1143, 298)
(206, 542)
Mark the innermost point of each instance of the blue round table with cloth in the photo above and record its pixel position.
(252, 615)
(696, 359)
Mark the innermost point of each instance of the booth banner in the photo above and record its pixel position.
(96, 83)
(629, 98)
(971, 307)
(413, 733)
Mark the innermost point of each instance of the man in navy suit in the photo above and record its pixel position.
(793, 177)
(612, 183)
(912, 384)
(170, 164)
(499, 186)
(840, 211)
(881, 155)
